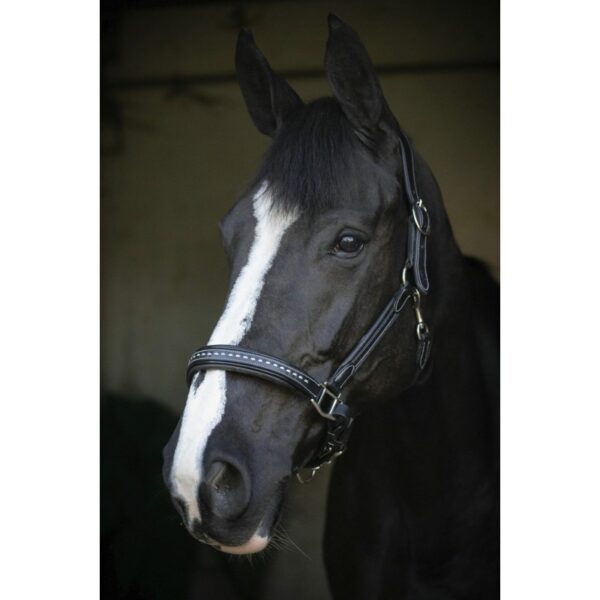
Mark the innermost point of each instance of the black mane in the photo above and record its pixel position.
(313, 162)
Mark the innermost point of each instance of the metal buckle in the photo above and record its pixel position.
(426, 227)
(317, 402)
(313, 472)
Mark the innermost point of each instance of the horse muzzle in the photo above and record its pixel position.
(225, 511)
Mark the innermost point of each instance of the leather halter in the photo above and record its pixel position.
(326, 396)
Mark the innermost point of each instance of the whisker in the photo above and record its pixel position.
(282, 540)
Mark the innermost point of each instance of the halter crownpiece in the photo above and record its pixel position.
(325, 396)
(419, 226)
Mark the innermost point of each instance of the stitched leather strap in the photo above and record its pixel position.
(324, 396)
(339, 416)
(250, 362)
(277, 370)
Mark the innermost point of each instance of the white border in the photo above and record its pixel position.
(550, 411)
(49, 265)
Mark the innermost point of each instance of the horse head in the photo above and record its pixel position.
(316, 246)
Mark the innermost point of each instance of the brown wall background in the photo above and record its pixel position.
(177, 154)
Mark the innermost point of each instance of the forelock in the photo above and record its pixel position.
(314, 162)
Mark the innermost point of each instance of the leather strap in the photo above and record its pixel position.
(339, 416)
(419, 225)
(324, 396)
(250, 362)
(369, 341)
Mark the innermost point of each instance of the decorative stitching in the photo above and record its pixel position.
(249, 358)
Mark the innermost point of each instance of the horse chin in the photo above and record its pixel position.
(259, 540)
(256, 543)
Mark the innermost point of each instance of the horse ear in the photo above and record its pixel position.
(269, 98)
(353, 80)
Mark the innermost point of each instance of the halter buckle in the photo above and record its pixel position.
(318, 403)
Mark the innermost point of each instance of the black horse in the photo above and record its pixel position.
(317, 247)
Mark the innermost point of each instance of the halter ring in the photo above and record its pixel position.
(422, 330)
(426, 227)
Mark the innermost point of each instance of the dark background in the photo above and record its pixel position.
(177, 148)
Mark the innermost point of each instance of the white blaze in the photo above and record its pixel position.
(206, 403)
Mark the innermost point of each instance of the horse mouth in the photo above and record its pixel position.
(257, 542)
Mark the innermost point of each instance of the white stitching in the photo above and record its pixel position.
(246, 357)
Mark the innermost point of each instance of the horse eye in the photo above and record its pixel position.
(348, 244)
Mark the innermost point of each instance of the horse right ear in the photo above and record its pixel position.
(354, 82)
(269, 98)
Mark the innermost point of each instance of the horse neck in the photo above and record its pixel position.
(455, 379)
(441, 425)
(438, 432)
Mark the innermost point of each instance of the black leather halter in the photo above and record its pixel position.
(326, 396)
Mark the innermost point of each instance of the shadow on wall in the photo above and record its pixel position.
(145, 553)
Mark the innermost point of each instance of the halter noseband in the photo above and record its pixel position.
(326, 396)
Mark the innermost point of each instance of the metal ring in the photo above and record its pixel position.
(422, 206)
(422, 330)
(310, 478)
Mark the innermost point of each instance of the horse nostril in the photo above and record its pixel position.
(223, 490)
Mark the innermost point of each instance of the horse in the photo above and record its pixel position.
(345, 274)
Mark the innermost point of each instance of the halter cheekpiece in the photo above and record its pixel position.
(326, 396)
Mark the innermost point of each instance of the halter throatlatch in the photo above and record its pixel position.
(325, 396)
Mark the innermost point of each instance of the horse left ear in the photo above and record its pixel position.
(269, 98)
(353, 81)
